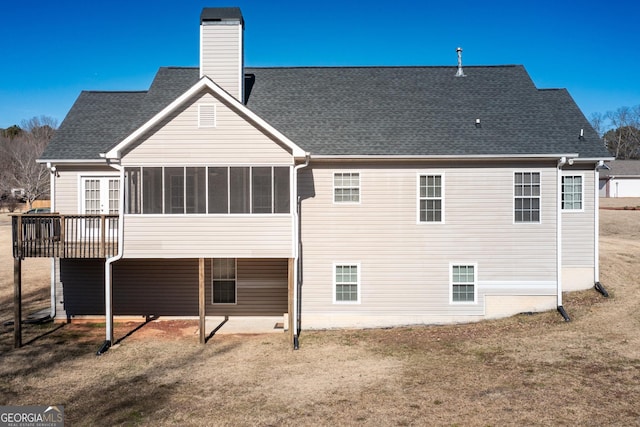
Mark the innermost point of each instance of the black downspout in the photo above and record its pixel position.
(600, 288)
(103, 348)
(564, 314)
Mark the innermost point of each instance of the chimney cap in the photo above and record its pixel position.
(221, 14)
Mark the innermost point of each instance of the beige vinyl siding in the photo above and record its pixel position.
(178, 141)
(405, 264)
(168, 287)
(578, 226)
(221, 56)
(67, 186)
(223, 236)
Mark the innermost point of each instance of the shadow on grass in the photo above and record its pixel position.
(43, 353)
(43, 335)
(31, 302)
(136, 329)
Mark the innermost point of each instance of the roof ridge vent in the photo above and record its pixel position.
(459, 73)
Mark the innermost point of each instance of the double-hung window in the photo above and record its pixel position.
(224, 281)
(572, 192)
(526, 192)
(463, 283)
(346, 283)
(431, 197)
(346, 187)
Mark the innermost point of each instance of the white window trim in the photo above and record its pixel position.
(235, 260)
(333, 185)
(358, 283)
(475, 283)
(205, 124)
(442, 196)
(581, 175)
(513, 197)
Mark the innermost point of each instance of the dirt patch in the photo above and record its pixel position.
(524, 370)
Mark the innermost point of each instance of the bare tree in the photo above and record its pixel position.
(18, 155)
(620, 131)
(598, 121)
(40, 128)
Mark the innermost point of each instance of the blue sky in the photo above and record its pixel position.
(51, 50)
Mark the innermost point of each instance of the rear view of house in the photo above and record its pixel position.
(339, 196)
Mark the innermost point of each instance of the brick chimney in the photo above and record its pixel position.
(222, 48)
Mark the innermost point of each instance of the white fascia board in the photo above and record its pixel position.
(204, 83)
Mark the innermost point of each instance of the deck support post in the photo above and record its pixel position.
(201, 299)
(17, 302)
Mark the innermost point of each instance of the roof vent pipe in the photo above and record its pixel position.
(459, 73)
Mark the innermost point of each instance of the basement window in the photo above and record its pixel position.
(463, 283)
(224, 281)
(346, 284)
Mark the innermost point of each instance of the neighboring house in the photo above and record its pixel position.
(343, 196)
(622, 179)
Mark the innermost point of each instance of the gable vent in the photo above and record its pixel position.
(206, 115)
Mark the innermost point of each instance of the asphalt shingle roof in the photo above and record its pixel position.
(220, 14)
(385, 111)
(622, 168)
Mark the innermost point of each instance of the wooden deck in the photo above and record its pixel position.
(64, 236)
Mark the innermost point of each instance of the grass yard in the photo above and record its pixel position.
(525, 370)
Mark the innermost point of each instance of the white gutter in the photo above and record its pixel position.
(108, 309)
(561, 163)
(296, 248)
(444, 157)
(71, 161)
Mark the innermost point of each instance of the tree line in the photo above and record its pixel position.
(21, 177)
(620, 131)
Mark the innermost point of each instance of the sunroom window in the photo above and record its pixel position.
(212, 190)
